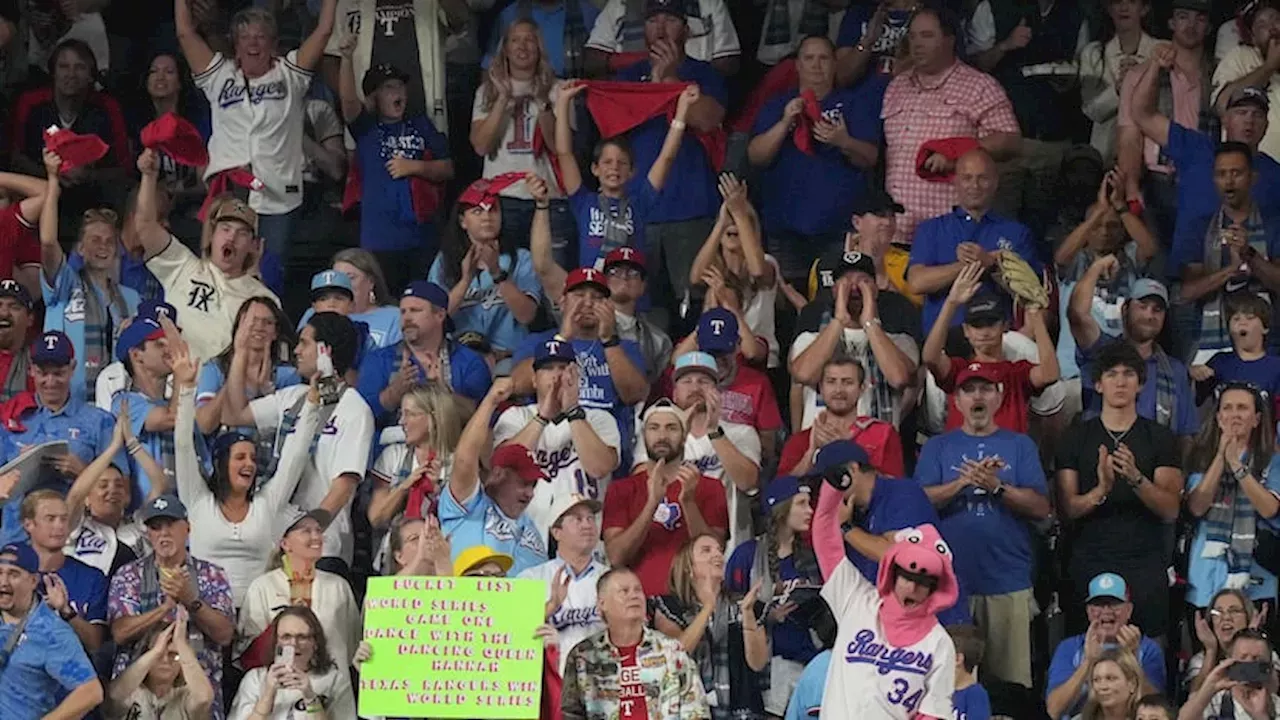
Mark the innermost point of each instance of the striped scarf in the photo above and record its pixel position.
(618, 232)
(289, 423)
(575, 35)
(99, 327)
(1214, 324)
(1166, 390)
(1231, 525)
(782, 31)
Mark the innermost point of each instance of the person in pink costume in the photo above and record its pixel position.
(892, 659)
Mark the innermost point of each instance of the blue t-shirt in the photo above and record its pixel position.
(592, 221)
(806, 700)
(46, 666)
(86, 589)
(479, 521)
(483, 310)
(595, 383)
(87, 430)
(991, 545)
(892, 36)
(387, 218)
(1186, 421)
(468, 374)
(971, 703)
(789, 639)
(66, 310)
(690, 191)
(1192, 152)
(1070, 652)
(1208, 575)
(816, 194)
(898, 503)
(383, 324)
(551, 21)
(936, 241)
(155, 442)
(1263, 372)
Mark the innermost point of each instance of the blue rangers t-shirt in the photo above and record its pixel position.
(483, 309)
(387, 218)
(690, 191)
(885, 49)
(478, 520)
(593, 220)
(971, 703)
(468, 376)
(47, 664)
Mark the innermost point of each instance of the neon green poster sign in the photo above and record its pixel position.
(452, 647)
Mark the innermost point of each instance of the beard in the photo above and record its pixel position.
(663, 451)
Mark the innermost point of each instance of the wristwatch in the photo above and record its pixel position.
(716, 434)
(576, 413)
(194, 606)
(614, 341)
(501, 277)
(68, 613)
(998, 492)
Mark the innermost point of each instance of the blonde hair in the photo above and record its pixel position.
(1132, 672)
(33, 500)
(544, 77)
(206, 235)
(433, 399)
(681, 578)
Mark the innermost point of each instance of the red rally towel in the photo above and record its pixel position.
(178, 138)
(621, 106)
(540, 149)
(226, 182)
(780, 79)
(812, 113)
(12, 410)
(552, 684)
(426, 196)
(950, 148)
(75, 150)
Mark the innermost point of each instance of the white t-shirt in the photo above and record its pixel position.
(95, 544)
(342, 447)
(579, 615)
(870, 679)
(515, 151)
(558, 458)
(144, 705)
(711, 32)
(331, 601)
(333, 687)
(699, 451)
(760, 313)
(207, 300)
(258, 122)
(855, 341)
(385, 469)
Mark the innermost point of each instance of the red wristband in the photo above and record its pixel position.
(1136, 207)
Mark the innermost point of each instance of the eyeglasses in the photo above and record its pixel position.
(1233, 612)
(485, 573)
(626, 273)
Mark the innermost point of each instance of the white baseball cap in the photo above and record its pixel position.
(565, 503)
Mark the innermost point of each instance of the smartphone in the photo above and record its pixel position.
(324, 360)
(284, 655)
(1251, 673)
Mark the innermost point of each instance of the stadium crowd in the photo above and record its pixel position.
(895, 360)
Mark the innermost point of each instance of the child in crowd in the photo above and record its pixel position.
(1249, 324)
(1154, 707)
(970, 699)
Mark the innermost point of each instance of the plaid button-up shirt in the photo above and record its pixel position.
(965, 102)
(592, 680)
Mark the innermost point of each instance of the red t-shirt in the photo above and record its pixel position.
(1016, 379)
(877, 437)
(668, 529)
(631, 701)
(19, 241)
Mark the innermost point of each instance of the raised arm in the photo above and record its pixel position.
(51, 255)
(828, 542)
(235, 403)
(570, 174)
(1142, 106)
(194, 48)
(549, 272)
(1046, 372)
(474, 442)
(675, 134)
(32, 190)
(187, 470)
(295, 455)
(312, 49)
(1084, 328)
(151, 233)
(88, 477)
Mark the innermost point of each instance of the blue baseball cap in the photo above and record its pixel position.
(428, 291)
(840, 452)
(222, 444)
(718, 332)
(553, 350)
(165, 506)
(23, 556)
(1144, 288)
(327, 280)
(695, 362)
(139, 331)
(13, 289)
(53, 348)
(782, 489)
(1108, 585)
(156, 309)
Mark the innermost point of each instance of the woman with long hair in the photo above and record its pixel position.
(312, 681)
(233, 519)
(407, 474)
(261, 330)
(1115, 686)
(82, 294)
(725, 638)
(167, 88)
(514, 103)
(1122, 46)
(372, 302)
(1229, 612)
(493, 289)
(783, 563)
(292, 579)
(165, 683)
(733, 257)
(1232, 489)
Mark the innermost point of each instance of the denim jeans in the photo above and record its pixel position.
(517, 220)
(276, 232)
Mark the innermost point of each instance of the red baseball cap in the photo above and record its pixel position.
(586, 276)
(519, 460)
(484, 192)
(978, 371)
(626, 256)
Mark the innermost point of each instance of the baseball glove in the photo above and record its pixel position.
(1020, 281)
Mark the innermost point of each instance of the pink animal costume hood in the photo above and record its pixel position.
(916, 550)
